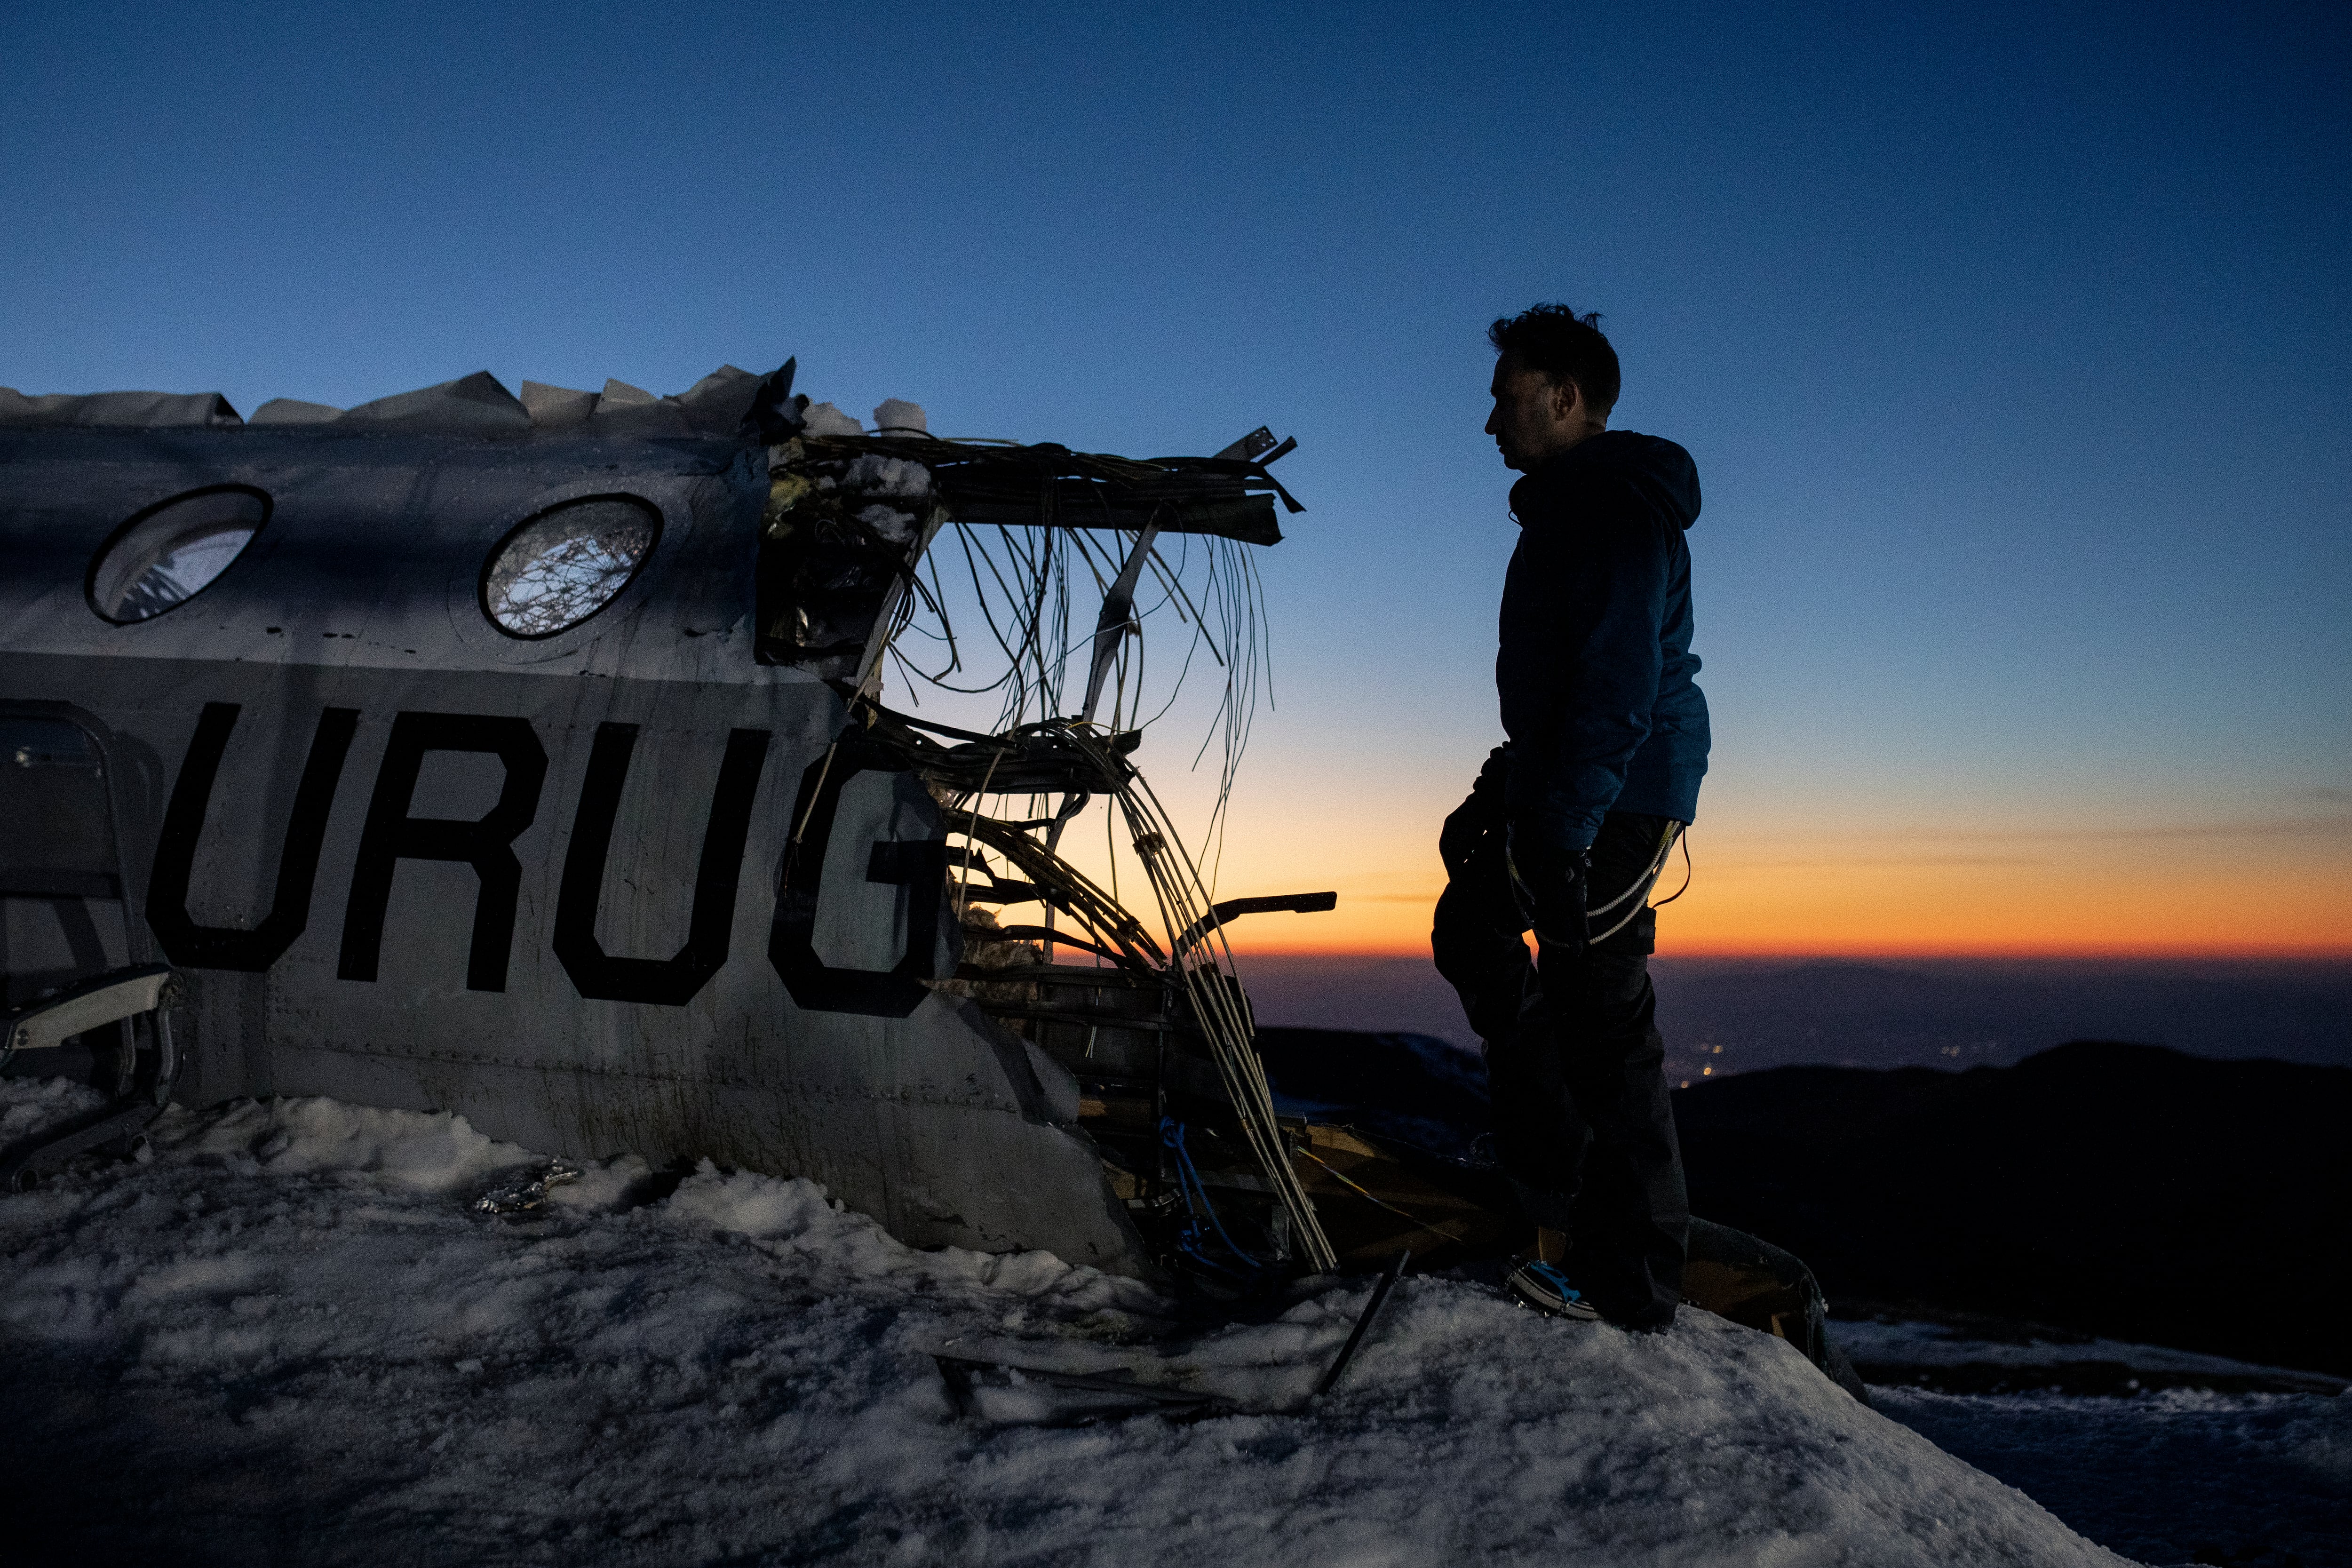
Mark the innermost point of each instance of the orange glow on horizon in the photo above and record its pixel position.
(1968, 883)
(1668, 948)
(2107, 902)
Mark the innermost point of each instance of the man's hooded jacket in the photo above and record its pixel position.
(1595, 668)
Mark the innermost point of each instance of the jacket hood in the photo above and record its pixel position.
(1658, 471)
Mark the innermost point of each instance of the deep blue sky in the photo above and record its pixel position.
(2012, 347)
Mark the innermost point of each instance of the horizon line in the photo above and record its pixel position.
(2121, 954)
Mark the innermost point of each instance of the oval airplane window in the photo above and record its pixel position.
(167, 554)
(557, 569)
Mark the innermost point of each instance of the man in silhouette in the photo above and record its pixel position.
(1570, 823)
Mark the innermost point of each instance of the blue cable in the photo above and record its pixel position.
(1196, 1203)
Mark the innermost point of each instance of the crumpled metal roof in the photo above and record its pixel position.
(477, 404)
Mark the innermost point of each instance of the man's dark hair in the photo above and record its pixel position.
(1554, 341)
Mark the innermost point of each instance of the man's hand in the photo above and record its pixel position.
(1459, 839)
(1548, 880)
(1480, 812)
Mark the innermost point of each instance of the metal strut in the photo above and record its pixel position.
(1118, 616)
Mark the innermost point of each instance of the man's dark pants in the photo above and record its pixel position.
(1582, 1125)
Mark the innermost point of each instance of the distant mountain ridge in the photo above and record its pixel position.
(1962, 1014)
(1880, 1012)
(2129, 1190)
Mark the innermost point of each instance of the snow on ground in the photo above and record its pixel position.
(284, 1337)
(2252, 1480)
(2252, 1468)
(1926, 1346)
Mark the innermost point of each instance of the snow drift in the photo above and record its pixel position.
(283, 1335)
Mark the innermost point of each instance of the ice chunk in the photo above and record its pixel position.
(824, 419)
(875, 475)
(897, 417)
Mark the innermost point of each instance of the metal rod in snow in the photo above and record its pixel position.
(1117, 616)
(1381, 1289)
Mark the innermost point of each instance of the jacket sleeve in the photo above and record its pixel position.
(1591, 667)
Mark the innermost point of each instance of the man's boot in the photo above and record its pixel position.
(1537, 1282)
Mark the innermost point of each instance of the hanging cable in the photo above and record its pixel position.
(1200, 1211)
(1688, 871)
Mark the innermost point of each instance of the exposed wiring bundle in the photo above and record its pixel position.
(877, 543)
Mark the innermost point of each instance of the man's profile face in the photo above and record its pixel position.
(1534, 417)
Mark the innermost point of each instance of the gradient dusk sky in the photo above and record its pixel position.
(2014, 344)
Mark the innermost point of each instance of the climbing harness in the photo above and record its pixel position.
(1640, 888)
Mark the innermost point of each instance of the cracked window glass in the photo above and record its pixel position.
(565, 564)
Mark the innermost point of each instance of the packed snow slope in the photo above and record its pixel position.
(284, 1337)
